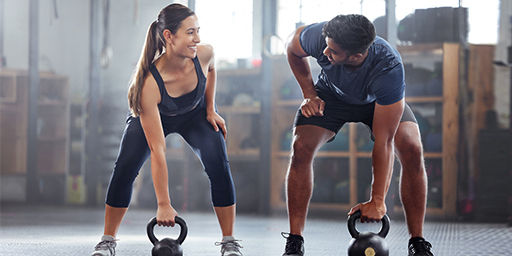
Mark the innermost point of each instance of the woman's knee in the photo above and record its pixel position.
(224, 199)
(222, 187)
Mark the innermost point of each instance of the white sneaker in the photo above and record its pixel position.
(230, 248)
(107, 247)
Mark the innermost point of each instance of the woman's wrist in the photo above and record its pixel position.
(164, 203)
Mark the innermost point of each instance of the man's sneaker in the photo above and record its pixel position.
(107, 247)
(294, 245)
(418, 246)
(230, 247)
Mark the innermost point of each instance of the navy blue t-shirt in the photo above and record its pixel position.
(380, 78)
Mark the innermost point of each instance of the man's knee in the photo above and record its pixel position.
(302, 153)
(410, 152)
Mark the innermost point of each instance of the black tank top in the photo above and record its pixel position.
(171, 106)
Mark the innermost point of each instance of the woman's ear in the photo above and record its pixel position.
(168, 36)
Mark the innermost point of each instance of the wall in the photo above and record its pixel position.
(502, 74)
(63, 41)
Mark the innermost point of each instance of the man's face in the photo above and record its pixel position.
(338, 56)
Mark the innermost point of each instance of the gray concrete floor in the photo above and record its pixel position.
(75, 230)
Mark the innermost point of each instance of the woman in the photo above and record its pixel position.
(169, 93)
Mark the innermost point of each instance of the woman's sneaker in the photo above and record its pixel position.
(107, 247)
(294, 245)
(230, 247)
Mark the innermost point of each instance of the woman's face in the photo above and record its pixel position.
(184, 41)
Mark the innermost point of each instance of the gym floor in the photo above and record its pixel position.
(74, 231)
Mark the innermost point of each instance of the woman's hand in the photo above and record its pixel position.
(216, 121)
(165, 215)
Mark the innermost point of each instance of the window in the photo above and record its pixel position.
(227, 26)
(482, 15)
(311, 11)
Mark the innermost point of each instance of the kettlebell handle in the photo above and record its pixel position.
(351, 223)
(183, 232)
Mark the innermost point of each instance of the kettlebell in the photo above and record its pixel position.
(367, 243)
(167, 246)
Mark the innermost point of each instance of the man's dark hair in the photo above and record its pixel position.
(353, 33)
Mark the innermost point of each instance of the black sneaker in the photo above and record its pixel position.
(294, 245)
(419, 247)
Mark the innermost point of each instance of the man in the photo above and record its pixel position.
(362, 80)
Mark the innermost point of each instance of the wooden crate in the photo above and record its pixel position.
(52, 122)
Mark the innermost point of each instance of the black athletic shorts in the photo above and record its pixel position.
(337, 113)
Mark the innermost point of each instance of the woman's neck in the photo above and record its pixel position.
(172, 61)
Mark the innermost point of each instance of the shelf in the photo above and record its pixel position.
(52, 103)
(319, 154)
(8, 92)
(240, 109)
(289, 103)
(430, 48)
(330, 206)
(52, 123)
(240, 154)
(433, 155)
(5, 174)
(244, 154)
(414, 99)
(436, 99)
(49, 173)
(364, 154)
(430, 211)
(319, 206)
(425, 154)
(239, 72)
(52, 139)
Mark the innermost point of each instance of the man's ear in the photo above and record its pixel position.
(354, 57)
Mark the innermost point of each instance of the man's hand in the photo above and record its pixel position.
(313, 106)
(371, 211)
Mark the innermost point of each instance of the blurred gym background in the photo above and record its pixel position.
(64, 74)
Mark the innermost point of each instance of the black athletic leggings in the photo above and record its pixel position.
(207, 144)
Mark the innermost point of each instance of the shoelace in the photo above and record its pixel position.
(292, 244)
(421, 247)
(106, 245)
(229, 245)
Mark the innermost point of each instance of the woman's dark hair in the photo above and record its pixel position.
(353, 33)
(169, 18)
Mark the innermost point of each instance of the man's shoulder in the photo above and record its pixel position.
(313, 29)
(311, 39)
(384, 49)
(384, 54)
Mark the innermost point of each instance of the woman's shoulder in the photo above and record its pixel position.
(150, 88)
(205, 53)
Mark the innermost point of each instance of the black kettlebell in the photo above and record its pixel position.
(167, 246)
(368, 243)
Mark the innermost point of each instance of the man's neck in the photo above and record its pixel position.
(358, 62)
